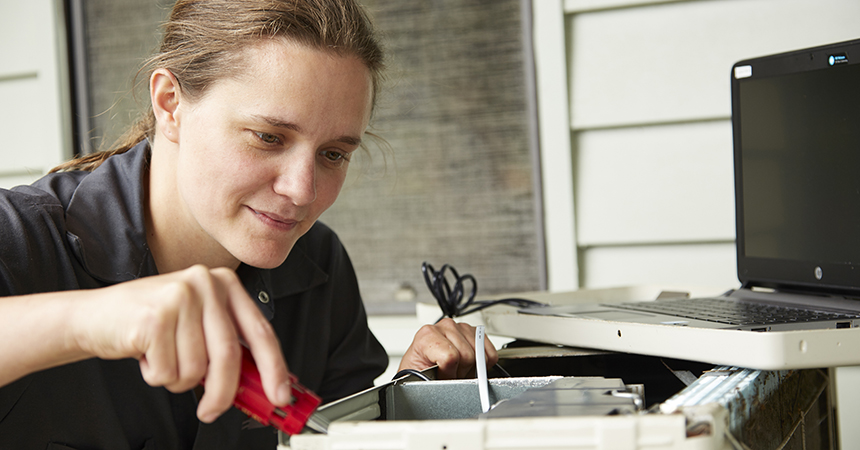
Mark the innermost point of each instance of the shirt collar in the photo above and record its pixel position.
(296, 275)
(105, 218)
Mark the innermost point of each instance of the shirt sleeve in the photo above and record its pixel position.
(33, 253)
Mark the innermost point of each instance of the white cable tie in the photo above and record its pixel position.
(481, 363)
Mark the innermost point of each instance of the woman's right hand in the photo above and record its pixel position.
(181, 326)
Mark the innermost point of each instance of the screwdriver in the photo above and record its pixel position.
(292, 418)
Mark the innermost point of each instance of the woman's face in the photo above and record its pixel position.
(263, 153)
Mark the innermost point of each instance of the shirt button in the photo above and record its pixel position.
(263, 297)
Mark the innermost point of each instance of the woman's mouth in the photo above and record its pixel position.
(274, 220)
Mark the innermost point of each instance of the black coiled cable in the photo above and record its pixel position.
(453, 301)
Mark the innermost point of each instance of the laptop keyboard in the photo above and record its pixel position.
(733, 312)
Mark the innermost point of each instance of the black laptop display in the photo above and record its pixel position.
(796, 122)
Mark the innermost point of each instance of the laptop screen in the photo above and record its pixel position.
(796, 120)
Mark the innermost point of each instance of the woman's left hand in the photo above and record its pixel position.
(451, 346)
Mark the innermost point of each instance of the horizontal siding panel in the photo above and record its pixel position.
(706, 265)
(10, 181)
(22, 29)
(671, 62)
(658, 184)
(32, 142)
(35, 110)
(571, 6)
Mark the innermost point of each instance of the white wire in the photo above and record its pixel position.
(481, 363)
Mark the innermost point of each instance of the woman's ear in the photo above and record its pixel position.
(164, 93)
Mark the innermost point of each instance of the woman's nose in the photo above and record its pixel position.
(297, 179)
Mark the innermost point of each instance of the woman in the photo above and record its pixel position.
(129, 276)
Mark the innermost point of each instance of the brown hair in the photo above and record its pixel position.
(203, 40)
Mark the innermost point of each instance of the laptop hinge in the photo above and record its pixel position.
(797, 298)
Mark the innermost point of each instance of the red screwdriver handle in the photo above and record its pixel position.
(251, 399)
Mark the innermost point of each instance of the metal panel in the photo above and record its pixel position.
(767, 410)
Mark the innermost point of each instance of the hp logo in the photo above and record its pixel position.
(818, 273)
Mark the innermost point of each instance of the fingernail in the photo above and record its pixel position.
(284, 393)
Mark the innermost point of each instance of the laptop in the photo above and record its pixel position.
(796, 125)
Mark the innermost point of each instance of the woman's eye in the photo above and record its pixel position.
(334, 156)
(267, 138)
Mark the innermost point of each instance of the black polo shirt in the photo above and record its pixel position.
(82, 230)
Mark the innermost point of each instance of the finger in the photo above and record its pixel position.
(462, 335)
(191, 357)
(431, 347)
(262, 342)
(490, 352)
(158, 359)
(222, 346)
(416, 358)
